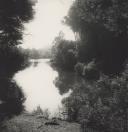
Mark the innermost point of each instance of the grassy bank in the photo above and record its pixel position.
(37, 123)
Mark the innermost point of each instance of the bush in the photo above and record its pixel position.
(102, 103)
(43, 113)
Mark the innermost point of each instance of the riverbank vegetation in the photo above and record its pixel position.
(37, 53)
(101, 35)
(28, 122)
(13, 15)
(99, 55)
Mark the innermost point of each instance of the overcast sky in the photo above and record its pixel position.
(41, 31)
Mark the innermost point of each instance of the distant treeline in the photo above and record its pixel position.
(37, 53)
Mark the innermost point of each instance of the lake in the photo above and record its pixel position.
(37, 82)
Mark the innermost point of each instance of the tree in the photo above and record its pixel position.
(64, 54)
(13, 15)
(102, 27)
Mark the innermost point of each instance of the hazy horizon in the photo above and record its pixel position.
(48, 17)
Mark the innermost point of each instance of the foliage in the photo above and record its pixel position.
(64, 55)
(12, 60)
(107, 13)
(103, 104)
(13, 14)
(39, 111)
(76, 100)
(102, 28)
(12, 98)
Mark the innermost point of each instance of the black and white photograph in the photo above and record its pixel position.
(63, 65)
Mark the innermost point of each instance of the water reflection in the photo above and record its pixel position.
(37, 83)
(66, 81)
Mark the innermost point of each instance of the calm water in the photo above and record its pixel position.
(37, 82)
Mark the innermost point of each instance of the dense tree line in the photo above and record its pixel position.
(99, 102)
(101, 33)
(13, 15)
(102, 28)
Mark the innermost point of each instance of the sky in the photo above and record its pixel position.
(46, 25)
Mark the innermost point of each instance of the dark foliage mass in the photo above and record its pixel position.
(13, 14)
(99, 105)
(11, 97)
(64, 55)
(101, 34)
(12, 60)
(99, 102)
(101, 27)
